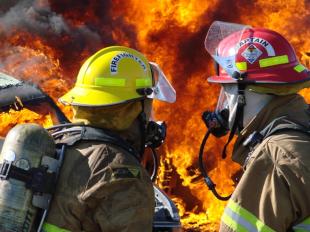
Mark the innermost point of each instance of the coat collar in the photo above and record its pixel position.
(292, 106)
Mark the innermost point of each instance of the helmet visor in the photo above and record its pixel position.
(227, 55)
(162, 89)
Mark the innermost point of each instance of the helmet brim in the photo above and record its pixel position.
(81, 96)
(286, 74)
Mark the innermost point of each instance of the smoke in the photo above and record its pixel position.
(65, 32)
(33, 17)
(38, 18)
(36, 38)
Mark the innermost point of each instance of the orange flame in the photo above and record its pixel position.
(13, 117)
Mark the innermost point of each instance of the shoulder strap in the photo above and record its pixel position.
(278, 125)
(71, 134)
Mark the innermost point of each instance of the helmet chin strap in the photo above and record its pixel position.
(143, 126)
(238, 122)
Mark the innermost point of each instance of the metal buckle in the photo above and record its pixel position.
(5, 169)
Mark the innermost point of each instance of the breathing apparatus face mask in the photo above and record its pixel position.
(154, 137)
(228, 101)
(154, 131)
(225, 118)
(222, 119)
(228, 114)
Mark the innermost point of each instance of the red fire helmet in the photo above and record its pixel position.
(264, 55)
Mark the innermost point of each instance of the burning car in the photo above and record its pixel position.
(17, 96)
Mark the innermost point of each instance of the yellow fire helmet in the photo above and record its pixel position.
(116, 75)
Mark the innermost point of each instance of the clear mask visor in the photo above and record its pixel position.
(228, 100)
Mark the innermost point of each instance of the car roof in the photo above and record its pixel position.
(11, 89)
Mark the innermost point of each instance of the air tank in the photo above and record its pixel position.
(24, 146)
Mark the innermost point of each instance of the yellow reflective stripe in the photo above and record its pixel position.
(52, 228)
(276, 60)
(249, 217)
(110, 82)
(299, 68)
(226, 219)
(143, 82)
(242, 66)
(304, 226)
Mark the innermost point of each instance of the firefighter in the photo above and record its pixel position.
(260, 77)
(102, 185)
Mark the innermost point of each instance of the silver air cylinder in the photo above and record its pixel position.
(24, 146)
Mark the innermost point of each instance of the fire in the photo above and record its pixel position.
(18, 59)
(47, 41)
(13, 117)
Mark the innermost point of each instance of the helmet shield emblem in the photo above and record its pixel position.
(251, 53)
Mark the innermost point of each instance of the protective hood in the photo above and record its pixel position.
(116, 118)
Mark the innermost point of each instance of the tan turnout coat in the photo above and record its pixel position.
(274, 191)
(101, 188)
